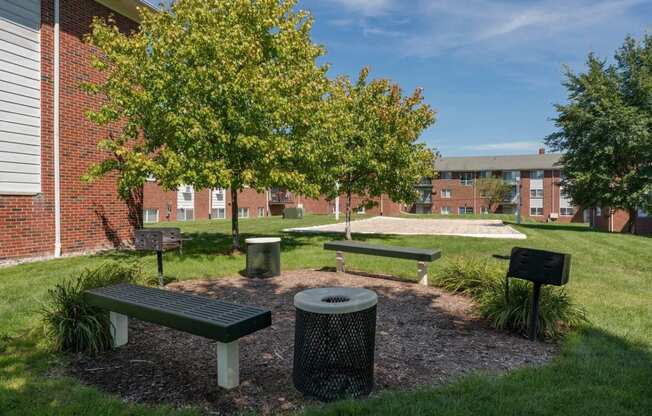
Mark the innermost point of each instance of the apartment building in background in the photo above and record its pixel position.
(46, 142)
(186, 204)
(455, 191)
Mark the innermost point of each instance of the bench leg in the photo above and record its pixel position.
(228, 364)
(422, 273)
(119, 329)
(339, 260)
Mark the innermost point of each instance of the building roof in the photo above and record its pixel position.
(509, 162)
(127, 8)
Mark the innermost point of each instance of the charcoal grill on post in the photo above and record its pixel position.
(159, 240)
(541, 268)
(334, 342)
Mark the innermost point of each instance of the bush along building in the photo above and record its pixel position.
(186, 203)
(46, 143)
(540, 197)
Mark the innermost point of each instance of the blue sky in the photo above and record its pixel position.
(492, 69)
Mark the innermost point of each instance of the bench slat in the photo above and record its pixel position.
(198, 315)
(407, 253)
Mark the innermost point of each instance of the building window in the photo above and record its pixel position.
(425, 196)
(484, 210)
(446, 193)
(536, 211)
(466, 178)
(445, 210)
(511, 176)
(536, 193)
(360, 210)
(446, 175)
(261, 211)
(150, 215)
(465, 210)
(218, 213)
(185, 214)
(566, 211)
(243, 212)
(486, 174)
(219, 194)
(187, 193)
(536, 174)
(598, 211)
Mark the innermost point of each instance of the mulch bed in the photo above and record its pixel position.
(424, 337)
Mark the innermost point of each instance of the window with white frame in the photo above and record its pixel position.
(185, 214)
(536, 193)
(446, 193)
(465, 210)
(511, 176)
(243, 212)
(598, 211)
(446, 175)
(150, 215)
(445, 210)
(466, 178)
(360, 210)
(566, 211)
(218, 213)
(536, 211)
(261, 211)
(484, 210)
(536, 174)
(486, 174)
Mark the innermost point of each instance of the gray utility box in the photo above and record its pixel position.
(293, 213)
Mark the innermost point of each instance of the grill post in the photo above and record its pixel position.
(339, 260)
(159, 263)
(534, 314)
(422, 273)
(119, 329)
(228, 365)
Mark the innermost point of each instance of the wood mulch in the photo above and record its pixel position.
(424, 336)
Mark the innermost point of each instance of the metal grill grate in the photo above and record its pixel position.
(334, 353)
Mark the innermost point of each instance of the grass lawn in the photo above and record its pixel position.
(604, 368)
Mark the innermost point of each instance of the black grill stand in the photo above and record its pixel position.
(159, 264)
(334, 342)
(534, 314)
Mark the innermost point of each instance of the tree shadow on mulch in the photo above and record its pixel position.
(424, 337)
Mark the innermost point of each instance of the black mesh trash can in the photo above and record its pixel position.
(334, 342)
(263, 257)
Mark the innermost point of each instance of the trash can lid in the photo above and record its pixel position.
(263, 240)
(335, 300)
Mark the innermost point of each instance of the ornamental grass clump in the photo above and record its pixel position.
(508, 307)
(469, 275)
(71, 324)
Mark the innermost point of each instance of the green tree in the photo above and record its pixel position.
(606, 131)
(368, 133)
(494, 190)
(210, 93)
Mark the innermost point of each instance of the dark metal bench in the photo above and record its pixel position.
(422, 256)
(211, 318)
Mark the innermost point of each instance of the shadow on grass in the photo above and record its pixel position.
(560, 227)
(597, 374)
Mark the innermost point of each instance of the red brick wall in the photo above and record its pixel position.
(154, 197)
(92, 215)
(618, 222)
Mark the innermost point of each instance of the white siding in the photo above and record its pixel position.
(185, 197)
(20, 96)
(215, 200)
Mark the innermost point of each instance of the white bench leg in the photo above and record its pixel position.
(339, 259)
(119, 329)
(228, 364)
(422, 273)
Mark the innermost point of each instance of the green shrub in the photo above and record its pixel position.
(70, 323)
(511, 309)
(470, 275)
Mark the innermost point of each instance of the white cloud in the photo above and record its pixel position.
(505, 146)
(367, 7)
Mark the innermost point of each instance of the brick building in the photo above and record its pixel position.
(188, 204)
(616, 221)
(454, 192)
(46, 143)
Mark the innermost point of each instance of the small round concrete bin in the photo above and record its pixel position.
(263, 257)
(334, 342)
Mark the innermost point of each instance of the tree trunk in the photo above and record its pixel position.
(235, 227)
(633, 217)
(348, 216)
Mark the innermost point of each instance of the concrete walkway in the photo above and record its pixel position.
(417, 226)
